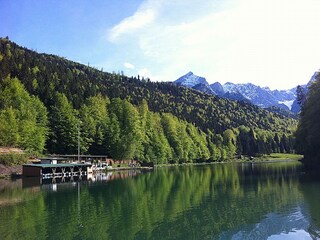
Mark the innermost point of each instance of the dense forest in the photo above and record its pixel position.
(307, 135)
(46, 101)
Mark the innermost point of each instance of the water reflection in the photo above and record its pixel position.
(274, 224)
(19, 190)
(310, 183)
(219, 201)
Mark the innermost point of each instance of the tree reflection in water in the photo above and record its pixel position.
(190, 202)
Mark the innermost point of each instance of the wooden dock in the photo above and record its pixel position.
(56, 170)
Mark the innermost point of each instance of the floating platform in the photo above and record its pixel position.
(56, 170)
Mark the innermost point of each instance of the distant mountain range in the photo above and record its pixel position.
(261, 96)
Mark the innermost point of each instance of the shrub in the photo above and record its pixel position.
(13, 159)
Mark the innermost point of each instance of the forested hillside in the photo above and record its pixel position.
(129, 117)
(308, 140)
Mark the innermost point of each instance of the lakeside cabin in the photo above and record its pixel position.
(75, 165)
(55, 170)
(99, 162)
(95, 160)
(56, 167)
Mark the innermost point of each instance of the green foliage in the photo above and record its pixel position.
(307, 135)
(13, 159)
(23, 118)
(229, 140)
(124, 128)
(157, 148)
(94, 120)
(147, 121)
(9, 131)
(190, 203)
(79, 82)
(64, 126)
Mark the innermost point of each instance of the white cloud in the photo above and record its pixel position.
(128, 65)
(267, 42)
(144, 16)
(146, 73)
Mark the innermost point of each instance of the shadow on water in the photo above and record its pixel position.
(310, 187)
(252, 201)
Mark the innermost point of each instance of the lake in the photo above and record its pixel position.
(217, 201)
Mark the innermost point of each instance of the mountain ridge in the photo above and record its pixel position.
(44, 74)
(261, 96)
(125, 105)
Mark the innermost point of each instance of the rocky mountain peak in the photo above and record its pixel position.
(190, 80)
(260, 96)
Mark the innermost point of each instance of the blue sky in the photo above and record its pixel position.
(271, 43)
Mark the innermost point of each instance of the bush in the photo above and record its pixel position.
(13, 159)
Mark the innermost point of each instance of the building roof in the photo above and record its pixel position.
(75, 155)
(58, 165)
(54, 158)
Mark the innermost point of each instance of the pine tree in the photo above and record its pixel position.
(64, 125)
(307, 135)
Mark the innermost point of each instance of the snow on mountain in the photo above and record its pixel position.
(190, 80)
(284, 94)
(217, 88)
(235, 96)
(203, 88)
(287, 103)
(229, 87)
(260, 96)
(263, 96)
(248, 90)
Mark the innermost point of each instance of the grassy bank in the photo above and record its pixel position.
(12, 159)
(277, 157)
(263, 158)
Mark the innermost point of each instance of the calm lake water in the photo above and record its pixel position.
(219, 201)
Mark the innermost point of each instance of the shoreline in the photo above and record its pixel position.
(225, 162)
(15, 171)
(126, 168)
(10, 172)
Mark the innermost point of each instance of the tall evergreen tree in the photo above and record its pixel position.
(307, 135)
(95, 120)
(124, 129)
(64, 125)
(170, 128)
